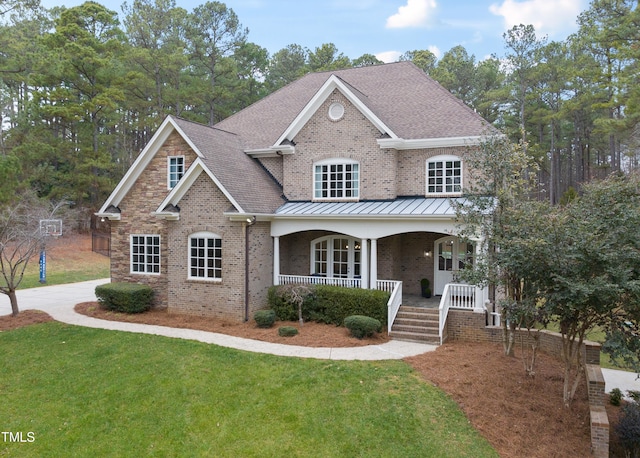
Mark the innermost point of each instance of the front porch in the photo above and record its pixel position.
(455, 296)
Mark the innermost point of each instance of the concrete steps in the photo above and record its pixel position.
(416, 324)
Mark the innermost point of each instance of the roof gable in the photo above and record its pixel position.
(161, 135)
(319, 98)
(399, 98)
(220, 155)
(185, 183)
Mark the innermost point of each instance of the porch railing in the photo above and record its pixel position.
(395, 300)
(317, 280)
(393, 287)
(459, 296)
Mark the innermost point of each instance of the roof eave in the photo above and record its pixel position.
(169, 216)
(427, 143)
(109, 216)
(272, 151)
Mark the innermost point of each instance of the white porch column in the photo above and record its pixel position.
(373, 272)
(276, 260)
(364, 264)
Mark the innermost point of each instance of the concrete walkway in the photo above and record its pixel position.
(59, 301)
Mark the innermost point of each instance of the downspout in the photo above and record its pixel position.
(250, 221)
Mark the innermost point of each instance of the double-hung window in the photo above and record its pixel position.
(205, 256)
(175, 170)
(336, 179)
(145, 254)
(444, 175)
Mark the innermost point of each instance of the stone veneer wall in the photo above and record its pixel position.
(469, 326)
(142, 199)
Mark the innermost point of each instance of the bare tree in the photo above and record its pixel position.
(20, 240)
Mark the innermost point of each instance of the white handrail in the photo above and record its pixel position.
(395, 301)
(460, 296)
(443, 312)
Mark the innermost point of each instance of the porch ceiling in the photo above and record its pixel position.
(403, 207)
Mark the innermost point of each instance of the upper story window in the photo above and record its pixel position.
(145, 254)
(444, 175)
(336, 179)
(205, 256)
(175, 170)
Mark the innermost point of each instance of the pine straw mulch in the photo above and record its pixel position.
(520, 416)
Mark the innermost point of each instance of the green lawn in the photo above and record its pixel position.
(89, 266)
(88, 392)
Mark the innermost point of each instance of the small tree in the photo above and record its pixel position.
(20, 240)
(296, 294)
(593, 277)
(497, 213)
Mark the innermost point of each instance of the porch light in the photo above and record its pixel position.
(427, 253)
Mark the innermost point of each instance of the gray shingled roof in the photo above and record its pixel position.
(414, 206)
(242, 176)
(408, 101)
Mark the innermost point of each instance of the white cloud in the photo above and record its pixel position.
(435, 50)
(549, 17)
(415, 13)
(389, 56)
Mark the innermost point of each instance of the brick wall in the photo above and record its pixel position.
(412, 168)
(260, 265)
(201, 209)
(352, 137)
(142, 199)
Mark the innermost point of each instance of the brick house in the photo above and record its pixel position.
(342, 177)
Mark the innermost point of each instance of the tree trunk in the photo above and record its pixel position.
(14, 302)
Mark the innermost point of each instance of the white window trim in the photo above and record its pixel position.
(203, 235)
(169, 170)
(443, 158)
(134, 272)
(330, 251)
(336, 161)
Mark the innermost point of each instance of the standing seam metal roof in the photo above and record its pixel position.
(415, 206)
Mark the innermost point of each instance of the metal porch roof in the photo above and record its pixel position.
(415, 206)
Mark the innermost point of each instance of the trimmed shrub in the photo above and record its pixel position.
(362, 326)
(125, 297)
(265, 318)
(328, 304)
(337, 303)
(287, 331)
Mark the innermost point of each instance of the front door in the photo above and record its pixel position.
(336, 257)
(450, 256)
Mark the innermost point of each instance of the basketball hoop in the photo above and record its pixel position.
(51, 227)
(48, 228)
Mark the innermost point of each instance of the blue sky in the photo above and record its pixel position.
(388, 28)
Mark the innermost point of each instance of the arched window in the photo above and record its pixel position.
(336, 179)
(205, 256)
(444, 175)
(335, 256)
